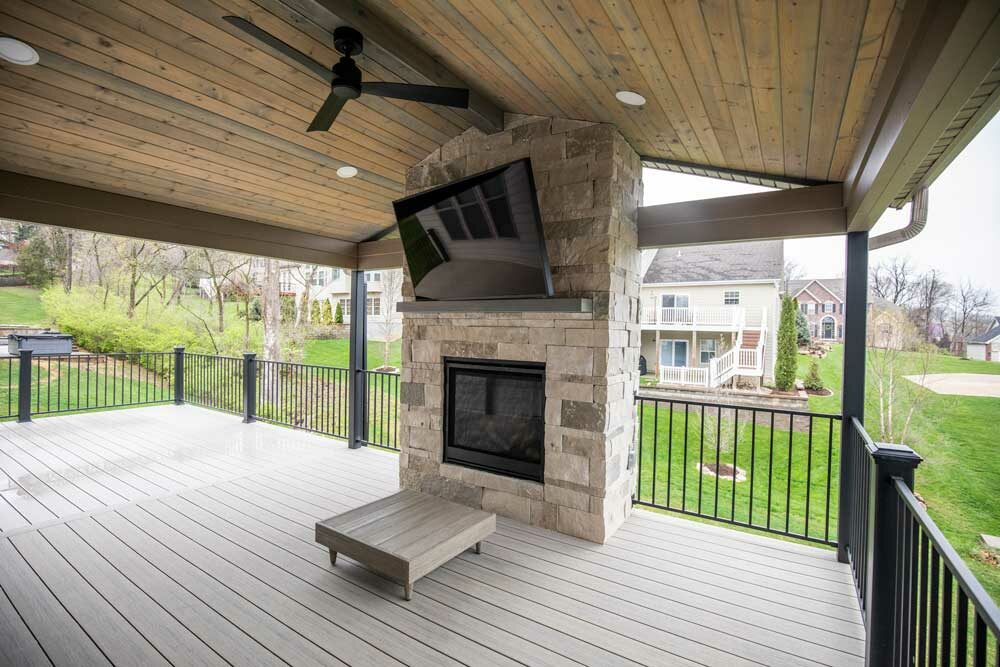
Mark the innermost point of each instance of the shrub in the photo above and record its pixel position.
(315, 312)
(784, 371)
(326, 315)
(338, 316)
(813, 381)
(287, 309)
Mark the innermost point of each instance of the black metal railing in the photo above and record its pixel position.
(382, 409)
(313, 398)
(770, 469)
(304, 396)
(215, 382)
(858, 452)
(935, 593)
(59, 383)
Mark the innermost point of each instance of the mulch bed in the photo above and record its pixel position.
(819, 392)
(724, 471)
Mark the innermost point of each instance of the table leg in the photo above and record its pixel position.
(333, 557)
(407, 591)
(479, 547)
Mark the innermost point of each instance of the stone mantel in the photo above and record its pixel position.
(589, 186)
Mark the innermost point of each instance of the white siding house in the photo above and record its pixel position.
(710, 313)
(985, 346)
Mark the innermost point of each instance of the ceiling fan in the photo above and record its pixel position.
(345, 77)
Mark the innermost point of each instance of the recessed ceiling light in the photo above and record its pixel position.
(17, 51)
(630, 98)
(347, 172)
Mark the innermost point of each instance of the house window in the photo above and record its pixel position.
(674, 301)
(334, 274)
(480, 212)
(840, 331)
(804, 307)
(374, 304)
(319, 277)
(707, 350)
(373, 276)
(731, 298)
(828, 328)
(258, 263)
(814, 330)
(829, 307)
(345, 307)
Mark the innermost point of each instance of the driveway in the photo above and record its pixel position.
(961, 384)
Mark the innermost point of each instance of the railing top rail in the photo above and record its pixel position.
(372, 371)
(981, 600)
(735, 406)
(203, 355)
(296, 364)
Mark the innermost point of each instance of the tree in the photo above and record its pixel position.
(784, 372)
(968, 306)
(790, 271)
(338, 316)
(931, 293)
(271, 305)
(384, 327)
(894, 281)
(896, 380)
(326, 313)
(220, 268)
(36, 262)
(315, 312)
(801, 328)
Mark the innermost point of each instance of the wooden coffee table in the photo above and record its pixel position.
(406, 535)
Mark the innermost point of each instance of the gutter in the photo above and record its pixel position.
(918, 220)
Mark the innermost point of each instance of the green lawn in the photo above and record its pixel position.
(21, 305)
(333, 352)
(958, 478)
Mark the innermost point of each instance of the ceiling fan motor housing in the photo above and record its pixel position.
(348, 41)
(346, 81)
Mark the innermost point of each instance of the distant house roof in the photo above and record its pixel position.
(834, 286)
(754, 260)
(990, 334)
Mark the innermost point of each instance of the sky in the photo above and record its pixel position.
(963, 221)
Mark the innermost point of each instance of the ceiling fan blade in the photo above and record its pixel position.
(449, 97)
(279, 46)
(327, 113)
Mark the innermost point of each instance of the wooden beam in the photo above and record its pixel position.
(941, 54)
(801, 212)
(47, 202)
(381, 254)
(400, 55)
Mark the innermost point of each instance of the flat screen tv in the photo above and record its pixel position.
(477, 238)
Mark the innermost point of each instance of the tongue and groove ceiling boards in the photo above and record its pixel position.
(164, 100)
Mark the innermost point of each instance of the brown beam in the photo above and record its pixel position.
(397, 53)
(801, 212)
(47, 202)
(942, 52)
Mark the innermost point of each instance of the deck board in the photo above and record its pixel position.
(196, 546)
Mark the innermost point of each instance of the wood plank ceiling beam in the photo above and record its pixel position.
(796, 213)
(393, 51)
(48, 202)
(942, 53)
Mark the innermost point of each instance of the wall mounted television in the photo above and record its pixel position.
(476, 238)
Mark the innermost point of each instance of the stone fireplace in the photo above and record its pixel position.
(589, 186)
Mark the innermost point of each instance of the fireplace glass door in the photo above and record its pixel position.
(495, 416)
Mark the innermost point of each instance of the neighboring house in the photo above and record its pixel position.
(8, 260)
(710, 313)
(822, 302)
(985, 346)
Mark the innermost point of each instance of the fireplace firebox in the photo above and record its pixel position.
(494, 416)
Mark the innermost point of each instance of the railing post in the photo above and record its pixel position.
(357, 396)
(24, 387)
(889, 462)
(178, 374)
(853, 384)
(249, 386)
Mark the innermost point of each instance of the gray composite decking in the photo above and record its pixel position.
(176, 535)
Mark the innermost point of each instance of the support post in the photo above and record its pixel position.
(178, 375)
(889, 462)
(853, 387)
(357, 407)
(249, 387)
(24, 387)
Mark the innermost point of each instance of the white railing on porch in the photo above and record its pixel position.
(690, 375)
(692, 317)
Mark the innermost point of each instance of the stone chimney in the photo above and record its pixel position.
(589, 187)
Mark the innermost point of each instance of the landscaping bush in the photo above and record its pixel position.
(802, 328)
(338, 316)
(784, 371)
(326, 315)
(315, 312)
(813, 381)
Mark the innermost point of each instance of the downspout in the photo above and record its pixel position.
(918, 220)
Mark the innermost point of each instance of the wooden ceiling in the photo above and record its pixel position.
(163, 100)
